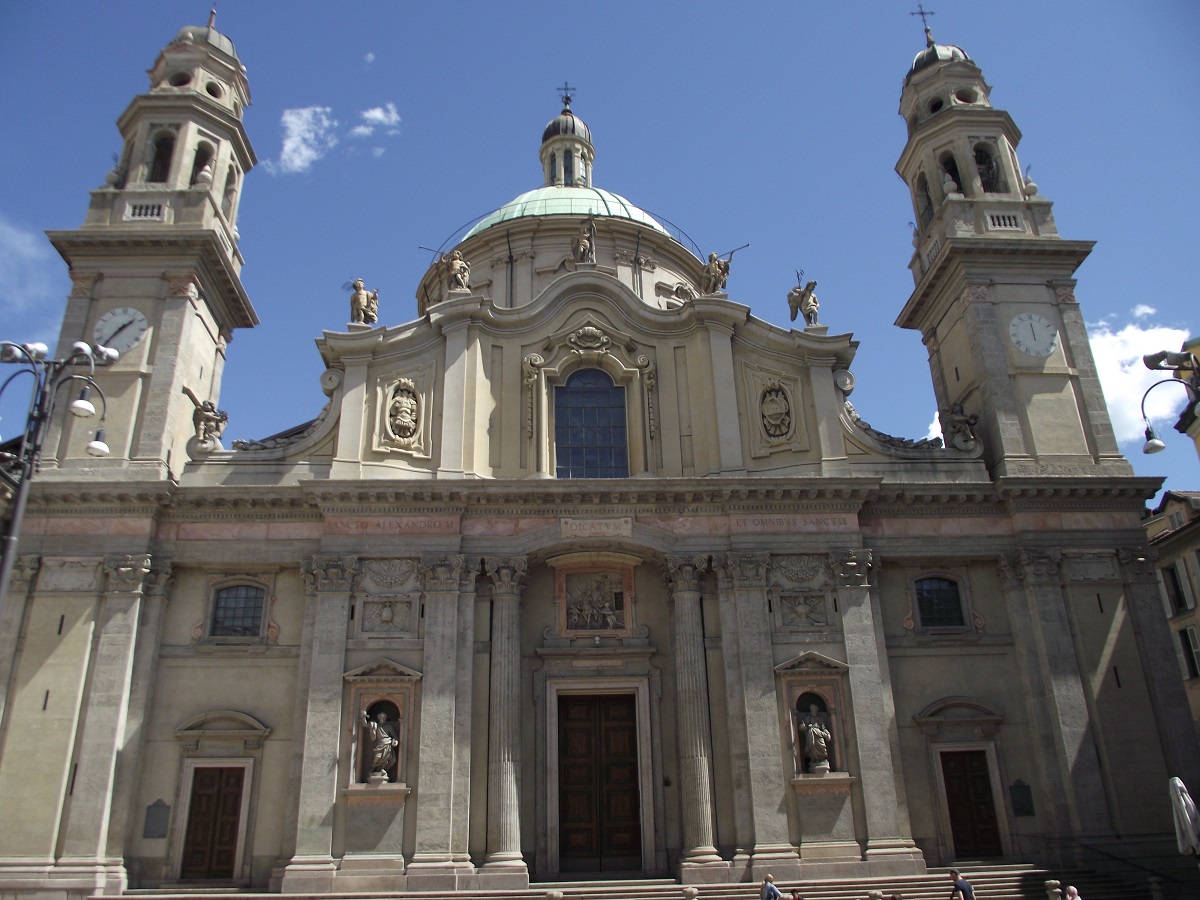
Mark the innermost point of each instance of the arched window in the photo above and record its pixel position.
(950, 167)
(939, 603)
(160, 165)
(924, 202)
(554, 168)
(568, 168)
(238, 611)
(589, 427)
(203, 158)
(990, 176)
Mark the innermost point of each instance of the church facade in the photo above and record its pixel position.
(585, 571)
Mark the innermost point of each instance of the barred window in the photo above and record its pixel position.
(237, 611)
(939, 603)
(589, 427)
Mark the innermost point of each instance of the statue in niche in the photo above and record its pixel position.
(404, 410)
(716, 274)
(364, 304)
(459, 271)
(803, 300)
(813, 729)
(208, 421)
(584, 246)
(776, 411)
(382, 743)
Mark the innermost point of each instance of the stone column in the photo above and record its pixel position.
(889, 833)
(1063, 748)
(126, 817)
(1156, 644)
(760, 775)
(691, 691)
(84, 840)
(504, 721)
(13, 615)
(445, 752)
(328, 581)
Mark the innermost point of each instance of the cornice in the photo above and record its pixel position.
(1055, 493)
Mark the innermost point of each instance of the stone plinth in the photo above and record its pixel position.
(826, 810)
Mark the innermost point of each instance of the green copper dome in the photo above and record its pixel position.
(566, 201)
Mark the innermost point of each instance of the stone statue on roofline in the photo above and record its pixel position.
(364, 304)
(803, 300)
(458, 270)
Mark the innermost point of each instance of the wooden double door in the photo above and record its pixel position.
(973, 825)
(599, 804)
(214, 817)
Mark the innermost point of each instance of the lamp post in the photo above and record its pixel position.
(49, 375)
(1187, 373)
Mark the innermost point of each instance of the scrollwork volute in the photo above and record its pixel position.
(531, 370)
(1138, 564)
(650, 377)
(126, 573)
(330, 573)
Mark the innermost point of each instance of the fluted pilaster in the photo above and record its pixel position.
(504, 720)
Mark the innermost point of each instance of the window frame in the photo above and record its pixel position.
(1189, 646)
(267, 631)
(559, 392)
(914, 622)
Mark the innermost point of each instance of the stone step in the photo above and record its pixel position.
(992, 882)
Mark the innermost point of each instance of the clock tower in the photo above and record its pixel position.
(995, 288)
(155, 266)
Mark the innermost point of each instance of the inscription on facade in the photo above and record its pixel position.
(617, 526)
(393, 525)
(815, 522)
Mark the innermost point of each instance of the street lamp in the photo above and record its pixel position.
(17, 467)
(1187, 373)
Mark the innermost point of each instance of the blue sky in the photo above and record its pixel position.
(384, 126)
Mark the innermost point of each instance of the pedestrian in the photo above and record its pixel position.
(962, 887)
(769, 891)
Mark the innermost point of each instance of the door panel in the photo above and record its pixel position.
(214, 814)
(599, 804)
(973, 825)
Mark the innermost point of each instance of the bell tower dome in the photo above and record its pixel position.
(156, 265)
(995, 286)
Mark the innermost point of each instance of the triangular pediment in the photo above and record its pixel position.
(382, 669)
(810, 661)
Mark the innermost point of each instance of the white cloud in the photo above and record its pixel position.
(377, 152)
(385, 117)
(307, 136)
(26, 261)
(1142, 310)
(1123, 376)
(369, 58)
(935, 428)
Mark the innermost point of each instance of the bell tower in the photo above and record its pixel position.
(155, 266)
(995, 287)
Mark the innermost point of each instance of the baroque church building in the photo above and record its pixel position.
(585, 570)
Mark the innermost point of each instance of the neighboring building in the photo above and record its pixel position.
(585, 569)
(1174, 532)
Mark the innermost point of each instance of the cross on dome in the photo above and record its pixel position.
(566, 91)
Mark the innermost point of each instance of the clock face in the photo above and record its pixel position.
(1033, 334)
(120, 328)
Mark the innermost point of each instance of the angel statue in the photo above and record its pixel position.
(364, 304)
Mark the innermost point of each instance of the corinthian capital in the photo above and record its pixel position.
(743, 570)
(329, 573)
(126, 573)
(853, 567)
(445, 573)
(507, 574)
(684, 572)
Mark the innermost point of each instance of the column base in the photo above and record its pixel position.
(64, 878)
(439, 872)
(780, 860)
(504, 871)
(897, 856)
(308, 875)
(702, 865)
